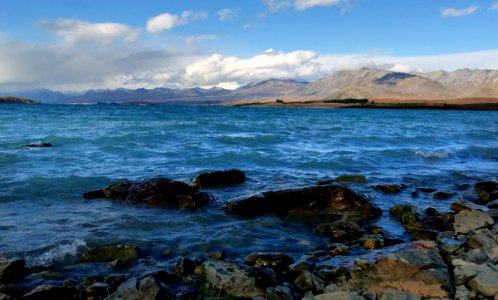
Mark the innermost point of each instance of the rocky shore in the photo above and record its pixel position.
(451, 255)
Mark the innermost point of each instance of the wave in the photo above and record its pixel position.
(59, 253)
(441, 154)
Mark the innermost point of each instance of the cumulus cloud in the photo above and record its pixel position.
(270, 64)
(228, 14)
(453, 12)
(78, 32)
(167, 21)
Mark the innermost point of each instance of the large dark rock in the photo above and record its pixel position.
(486, 191)
(408, 215)
(159, 192)
(329, 202)
(12, 271)
(219, 178)
(110, 253)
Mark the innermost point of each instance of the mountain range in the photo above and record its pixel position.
(362, 83)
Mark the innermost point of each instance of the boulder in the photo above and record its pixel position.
(219, 178)
(467, 220)
(149, 287)
(351, 179)
(329, 203)
(339, 296)
(416, 268)
(486, 191)
(277, 261)
(397, 295)
(280, 292)
(486, 280)
(12, 270)
(463, 271)
(111, 253)
(159, 192)
(223, 278)
(308, 281)
(388, 188)
(340, 231)
(408, 215)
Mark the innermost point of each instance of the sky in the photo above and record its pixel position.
(73, 46)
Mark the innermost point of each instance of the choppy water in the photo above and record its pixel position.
(44, 218)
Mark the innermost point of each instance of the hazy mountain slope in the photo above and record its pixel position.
(272, 88)
(374, 83)
(468, 83)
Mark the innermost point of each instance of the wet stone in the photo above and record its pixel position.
(219, 178)
(388, 189)
(277, 261)
(111, 253)
(443, 195)
(340, 231)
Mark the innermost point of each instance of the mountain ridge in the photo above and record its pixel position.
(364, 83)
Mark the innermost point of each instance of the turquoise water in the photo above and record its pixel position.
(44, 218)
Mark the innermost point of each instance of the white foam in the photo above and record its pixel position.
(58, 253)
(432, 154)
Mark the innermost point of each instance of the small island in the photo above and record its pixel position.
(16, 100)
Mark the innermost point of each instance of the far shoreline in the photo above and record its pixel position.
(476, 104)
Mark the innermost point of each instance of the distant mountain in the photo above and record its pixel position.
(359, 84)
(374, 84)
(16, 100)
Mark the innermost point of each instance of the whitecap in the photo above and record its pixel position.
(432, 153)
(58, 253)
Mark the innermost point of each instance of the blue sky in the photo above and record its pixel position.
(78, 45)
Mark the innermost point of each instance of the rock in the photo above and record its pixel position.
(340, 231)
(443, 195)
(462, 204)
(388, 189)
(305, 263)
(467, 220)
(120, 263)
(227, 278)
(449, 244)
(336, 249)
(277, 261)
(215, 254)
(463, 271)
(351, 179)
(440, 222)
(492, 204)
(339, 296)
(219, 178)
(486, 280)
(46, 291)
(426, 190)
(416, 268)
(11, 291)
(280, 292)
(407, 215)
(99, 290)
(329, 202)
(309, 281)
(185, 266)
(462, 293)
(485, 190)
(374, 241)
(147, 288)
(35, 145)
(397, 295)
(12, 270)
(110, 253)
(155, 192)
(482, 239)
(187, 292)
(5, 297)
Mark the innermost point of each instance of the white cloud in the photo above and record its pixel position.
(167, 21)
(270, 64)
(453, 12)
(494, 6)
(300, 5)
(228, 14)
(78, 32)
(305, 4)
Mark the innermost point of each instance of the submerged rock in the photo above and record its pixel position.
(219, 178)
(329, 202)
(111, 253)
(340, 231)
(159, 192)
(351, 179)
(443, 195)
(408, 215)
(35, 145)
(388, 189)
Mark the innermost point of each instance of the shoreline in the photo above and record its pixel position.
(457, 104)
(452, 255)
